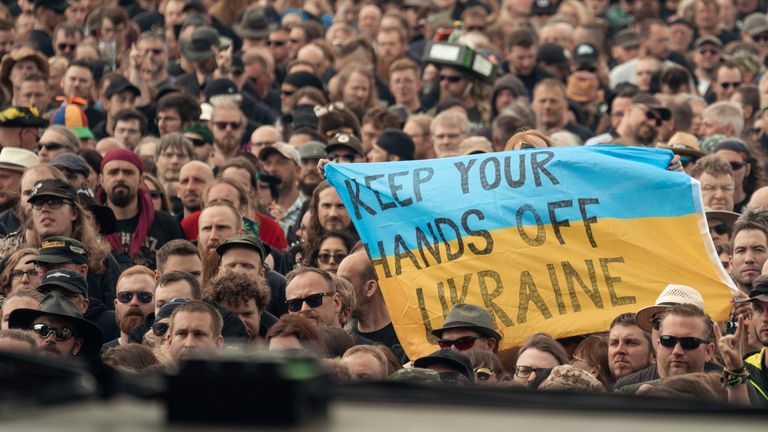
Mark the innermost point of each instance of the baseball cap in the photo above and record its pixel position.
(198, 46)
(653, 104)
(345, 140)
(56, 188)
(708, 40)
(552, 54)
(71, 281)
(221, 87)
(448, 357)
(759, 289)
(755, 23)
(286, 150)
(313, 150)
(242, 241)
(585, 53)
(120, 84)
(61, 250)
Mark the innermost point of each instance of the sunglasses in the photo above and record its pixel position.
(125, 297)
(451, 78)
(719, 229)
(685, 160)
(737, 165)
(461, 344)
(18, 274)
(326, 257)
(160, 329)
(483, 374)
(66, 47)
(313, 301)
(51, 146)
(223, 125)
(154, 193)
(276, 42)
(60, 333)
(197, 142)
(349, 158)
(53, 204)
(650, 115)
(726, 85)
(525, 371)
(688, 343)
(592, 69)
(762, 37)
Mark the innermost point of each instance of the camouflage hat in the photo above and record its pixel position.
(571, 378)
(416, 375)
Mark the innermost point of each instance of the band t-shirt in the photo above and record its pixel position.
(164, 229)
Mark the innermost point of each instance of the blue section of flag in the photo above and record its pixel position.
(613, 182)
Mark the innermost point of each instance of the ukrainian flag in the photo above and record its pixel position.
(559, 240)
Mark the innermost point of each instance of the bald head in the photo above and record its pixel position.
(264, 136)
(194, 178)
(107, 144)
(759, 198)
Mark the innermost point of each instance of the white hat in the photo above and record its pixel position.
(672, 295)
(17, 159)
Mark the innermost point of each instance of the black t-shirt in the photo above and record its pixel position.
(387, 336)
(164, 229)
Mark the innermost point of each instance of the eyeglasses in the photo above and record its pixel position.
(727, 85)
(461, 344)
(60, 333)
(737, 165)
(154, 193)
(160, 329)
(277, 43)
(18, 274)
(525, 371)
(687, 343)
(66, 47)
(483, 374)
(451, 78)
(720, 229)
(685, 160)
(125, 297)
(762, 37)
(313, 301)
(223, 125)
(197, 142)
(711, 51)
(50, 146)
(53, 204)
(325, 257)
(346, 157)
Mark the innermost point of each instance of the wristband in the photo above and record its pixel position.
(734, 377)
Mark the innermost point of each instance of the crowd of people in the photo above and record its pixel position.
(161, 196)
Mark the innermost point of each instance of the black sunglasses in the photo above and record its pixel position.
(737, 165)
(66, 46)
(50, 146)
(726, 85)
(688, 343)
(160, 329)
(313, 301)
(761, 37)
(452, 79)
(60, 333)
(125, 297)
(650, 115)
(719, 229)
(461, 344)
(154, 193)
(325, 257)
(276, 42)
